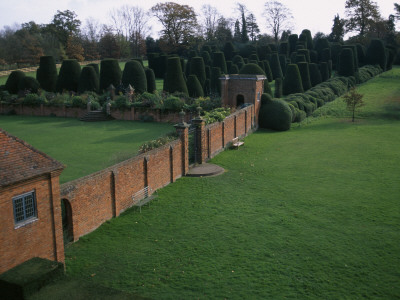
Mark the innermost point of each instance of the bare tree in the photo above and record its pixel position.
(131, 23)
(279, 18)
(210, 21)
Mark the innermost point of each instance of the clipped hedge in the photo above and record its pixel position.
(110, 73)
(174, 80)
(275, 115)
(346, 63)
(151, 80)
(13, 80)
(194, 87)
(46, 74)
(292, 82)
(68, 78)
(376, 54)
(88, 80)
(135, 76)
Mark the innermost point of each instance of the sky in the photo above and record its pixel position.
(315, 15)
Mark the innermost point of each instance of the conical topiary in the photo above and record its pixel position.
(315, 74)
(323, 67)
(376, 54)
(68, 78)
(292, 82)
(292, 42)
(278, 88)
(46, 74)
(268, 71)
(276, 66)
(135, 76)
(96, 69)
(215, 81)
(219, 62)
(197, 68)
(194, 87)
(307, 33)
(88, 80)
(305, 75)
(206, 58)
(346, 63)
(174, 80)
(13, 80)
(110, 73)
(151, 80)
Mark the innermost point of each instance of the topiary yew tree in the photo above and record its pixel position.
(376, 54)
(197, 68)
(276, 66)
(275, 114)
(194, 87)
(68, 78)
(135, 75)
(305, 75)
(151, 80)
(292, 82)
(256, 70)
(174, 80)
(13, 80)
(219, 61)
(110, 73)
(346, 63)
(88, 80)
(46, 74)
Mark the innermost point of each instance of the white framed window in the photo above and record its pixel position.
(24, 208)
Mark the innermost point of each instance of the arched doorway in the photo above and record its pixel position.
(68, 230)
(239, 100)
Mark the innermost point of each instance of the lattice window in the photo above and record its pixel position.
(24, 207)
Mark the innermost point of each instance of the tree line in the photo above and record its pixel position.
(183, 29)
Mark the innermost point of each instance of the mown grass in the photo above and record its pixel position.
(83, 147)
(311, 213)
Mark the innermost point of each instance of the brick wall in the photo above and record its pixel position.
(39, 238)
(105, 194)
(156, 115)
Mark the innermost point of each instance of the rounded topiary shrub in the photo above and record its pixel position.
(276, 66)
(219, 62)
(173, 103)
(194, 87)
(315, 74)
(234, 69)
(28, 84)
(305, 75)
(68, 78)
(110, 73)
(96, 69)
(346, 63)
(251, 69)
(275, 115)
(237, 59)
(151, 80)
(135, 75)
(292, 82)
(88, 81)
(376, 54)
(197, 68)
(13, 80)
(46, 74)
(174, 80)
(265, 98)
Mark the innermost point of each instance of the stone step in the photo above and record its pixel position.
(96, 116)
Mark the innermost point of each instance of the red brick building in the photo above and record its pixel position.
(30, 207)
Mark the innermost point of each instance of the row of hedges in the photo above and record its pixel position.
(278, 114)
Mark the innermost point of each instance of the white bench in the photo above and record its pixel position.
(236, 143)
(143, 196)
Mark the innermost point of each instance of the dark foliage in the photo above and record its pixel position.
(275, 115)
(135, 76)
(194, 87)
(46, 74)
(68, 78)
(13, 79)
(292, 82)
(88, 80)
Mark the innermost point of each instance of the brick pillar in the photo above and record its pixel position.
(182, 129)
(200, 136)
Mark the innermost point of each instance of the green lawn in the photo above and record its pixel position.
(83, 147)
(311, 213)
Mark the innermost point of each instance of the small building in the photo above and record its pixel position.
(30, 207)
(237, 90)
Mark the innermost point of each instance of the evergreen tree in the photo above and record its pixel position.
(244, 35)
(237, 35)
(337, 33)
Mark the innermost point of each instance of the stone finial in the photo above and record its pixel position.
(111, 89)
(108, 108)
(182, 116)
(199, 109)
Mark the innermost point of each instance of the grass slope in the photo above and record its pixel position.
(310, 213)
(83, 147)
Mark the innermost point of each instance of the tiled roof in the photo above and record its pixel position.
(20, 161)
